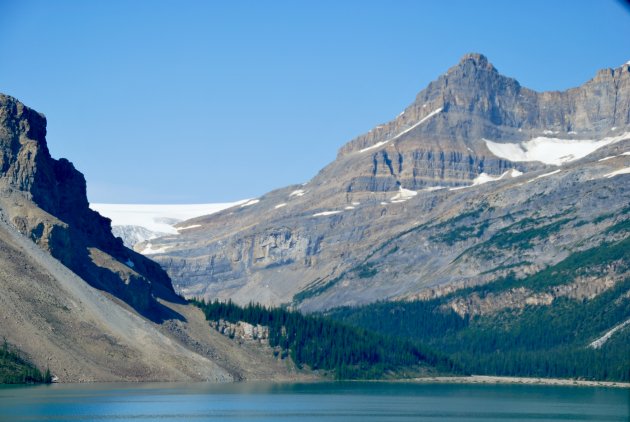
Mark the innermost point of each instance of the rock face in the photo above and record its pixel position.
(45, 199)
(73, 299)
(456, 191)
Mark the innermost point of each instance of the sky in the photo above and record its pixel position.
(201, 101)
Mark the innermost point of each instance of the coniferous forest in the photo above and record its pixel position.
(15, 369)
(537, 341)
(389, 338)
(332, 347)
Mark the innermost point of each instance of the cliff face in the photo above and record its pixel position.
(75, 300)
(45, 199)
(406, 209)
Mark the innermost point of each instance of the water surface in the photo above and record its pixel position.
(327, 402)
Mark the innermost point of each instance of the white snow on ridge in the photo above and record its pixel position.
(551, 150)
(280, 206)
(551, 173)
(299, 192)
(485, 178)
(324, 213)
(192, 226)
(625, 170)
(603, 339)
(159, 218)
(403, 194)
(250, 202)
(381, 143)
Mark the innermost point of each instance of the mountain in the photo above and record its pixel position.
(135, 223)
(477, 180)
(75, 300)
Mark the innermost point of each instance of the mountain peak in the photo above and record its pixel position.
(476, 61)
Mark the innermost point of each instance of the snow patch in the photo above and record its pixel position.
(606, 158)
(325, 213)
(484, 178)
(349, 207)
(625, 170)
(192, 226)
(381, 143)
(280, 205)
(551, 173)
(356, 203)
(148, 249)
(251, 202)
(603, 339)
(403, 194)
(551, 150)
(299, 192)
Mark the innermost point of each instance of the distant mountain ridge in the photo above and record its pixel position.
(135, 223)
(478, 177)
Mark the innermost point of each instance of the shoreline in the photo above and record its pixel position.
(490, 379)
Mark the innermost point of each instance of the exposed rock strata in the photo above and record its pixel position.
(402, 211)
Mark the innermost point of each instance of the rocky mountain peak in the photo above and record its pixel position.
(474, 61)
(45, 199)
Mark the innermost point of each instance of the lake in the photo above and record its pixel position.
(328, 402)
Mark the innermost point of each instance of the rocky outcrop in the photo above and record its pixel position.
(241, 330)
(45, 199)
(420, 206)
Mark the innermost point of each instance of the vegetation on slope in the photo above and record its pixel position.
(545, 341)
(322, 344)
(14, 369)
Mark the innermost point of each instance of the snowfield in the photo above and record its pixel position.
(159, 218)
(136, 223)
(551, 150)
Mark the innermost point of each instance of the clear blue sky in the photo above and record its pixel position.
(176, 102)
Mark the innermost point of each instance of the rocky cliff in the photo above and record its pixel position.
(45, 199)
(477, 177)
(73, 299)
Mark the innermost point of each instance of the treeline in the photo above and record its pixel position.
(14, 369)
(538, 341)
(322, 344)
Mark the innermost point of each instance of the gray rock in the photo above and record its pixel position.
(350, 236)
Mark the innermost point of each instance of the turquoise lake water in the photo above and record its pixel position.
(344, 401)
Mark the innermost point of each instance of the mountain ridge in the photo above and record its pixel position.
(430, 163)
(74, 300)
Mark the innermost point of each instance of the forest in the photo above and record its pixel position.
(537, 340)
(332, 347)
(15, 369)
